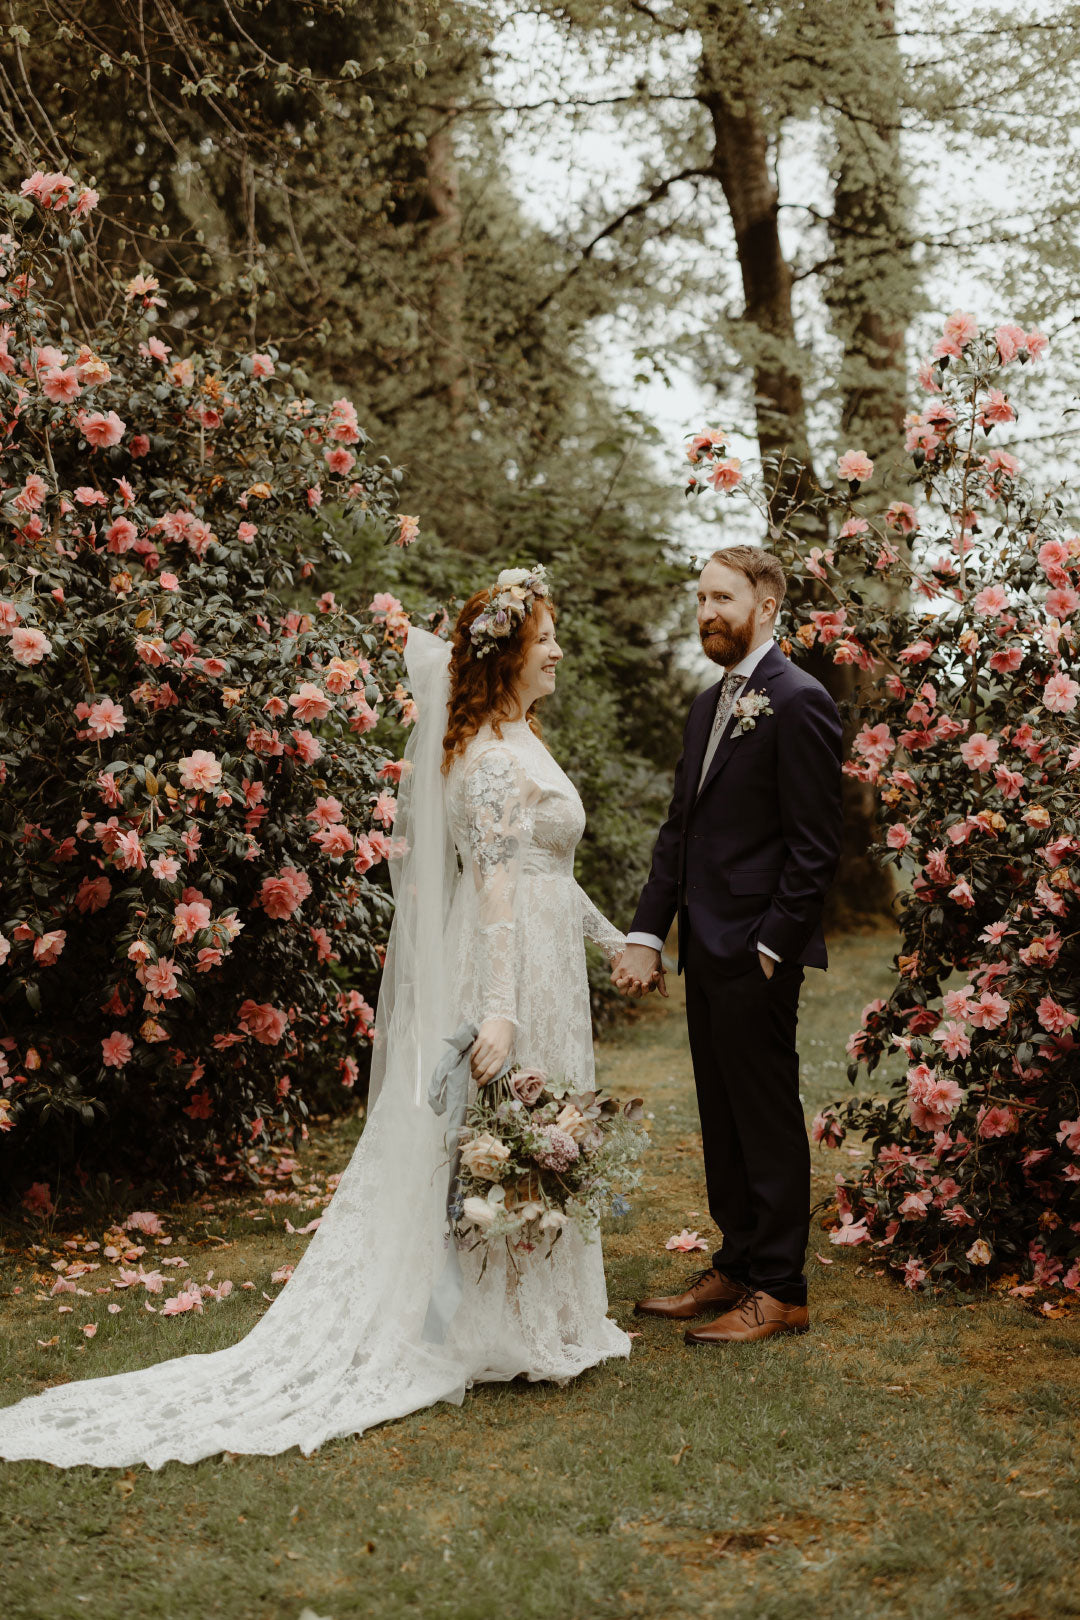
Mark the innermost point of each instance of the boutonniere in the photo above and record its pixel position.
(749, 709)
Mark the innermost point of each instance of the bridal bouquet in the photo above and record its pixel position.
(536, 1156)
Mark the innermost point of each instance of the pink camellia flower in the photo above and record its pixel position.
(382, 603)
(29, 646)
(37, 1198)
(901, 515)
(339, 460)
(725, 475)
(101, 429)
(827, 1129)
(979, 752)
(685, 1242)
(1060, 694)
(384, 809)
(932, 1098)
(914, 1274)
(327, 812)
(308, 748)
(1069, 1134)
(116, 1049)
(991, 601)
(160, 978)
(1035, 343)
(310, 702)
(87, 200)
(200, 771)
(914, 1206)
(409, 528)
(855, 466)
(49, 946)
(850, 1232)
(139, 444)
(996, 1122)
(955, 1041)
(1062, 602)
(1006, 660)
(961, 893)
(60, 384)
(93, 894)
(188, 920)
(997, 408)
(246, 532)
(1010, 340)
(283, 895)
(323, 946)
(334, 841)
(341, 422)
(898, 836)
(1052, 1016)
(209, 957)
(917, 652)
(262, 365)
(104, 719)
(1053, 556)
(960, 328)
(166, 868)
(265, 1023)
(121, 535)
(990, 1011)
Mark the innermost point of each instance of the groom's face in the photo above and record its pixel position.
(728, 613)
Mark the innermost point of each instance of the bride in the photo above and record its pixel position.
(489, 927)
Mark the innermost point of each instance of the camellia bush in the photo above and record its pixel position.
(960, 609)
(194, 797)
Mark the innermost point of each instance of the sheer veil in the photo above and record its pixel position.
(341, 1347)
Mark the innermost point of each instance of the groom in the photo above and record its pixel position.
(744, 860)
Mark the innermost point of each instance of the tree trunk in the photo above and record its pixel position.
(741, 162)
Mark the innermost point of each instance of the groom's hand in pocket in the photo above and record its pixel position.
(768, 963)
(492, 1047)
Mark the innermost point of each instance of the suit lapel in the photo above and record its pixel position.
(760, 681)
(698, 742)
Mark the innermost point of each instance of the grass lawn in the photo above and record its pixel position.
(909, 1457)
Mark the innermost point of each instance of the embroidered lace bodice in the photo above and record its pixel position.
(519, 919)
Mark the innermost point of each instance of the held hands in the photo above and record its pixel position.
(491, 1048)
(638, 970)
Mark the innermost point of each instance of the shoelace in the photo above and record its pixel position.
(699, 1277)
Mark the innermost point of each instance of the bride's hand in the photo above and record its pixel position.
(491, 1048)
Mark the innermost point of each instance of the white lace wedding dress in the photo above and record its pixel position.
(341, 1348)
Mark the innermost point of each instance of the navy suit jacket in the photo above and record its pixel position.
(749, 859)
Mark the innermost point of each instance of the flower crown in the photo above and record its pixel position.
(511, 598)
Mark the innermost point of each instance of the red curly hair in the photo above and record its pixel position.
(482, 689)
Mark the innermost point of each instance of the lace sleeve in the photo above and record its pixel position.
(500, 821)
(598, 929)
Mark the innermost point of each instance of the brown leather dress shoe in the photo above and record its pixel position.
(758, 1316)
(705, 1288)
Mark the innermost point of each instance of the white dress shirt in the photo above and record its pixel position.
(745, 667)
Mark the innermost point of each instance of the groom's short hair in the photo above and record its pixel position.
(758, 566)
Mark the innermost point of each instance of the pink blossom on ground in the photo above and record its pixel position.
(686, 1242)
(850, 1232)
(116, 1049)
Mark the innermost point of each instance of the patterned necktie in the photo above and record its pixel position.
(725, 703)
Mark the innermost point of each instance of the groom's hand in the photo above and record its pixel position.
(639, 970)
(768, 964)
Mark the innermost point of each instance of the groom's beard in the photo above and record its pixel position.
(728, 644)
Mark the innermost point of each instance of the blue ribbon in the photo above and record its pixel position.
(448, 1093)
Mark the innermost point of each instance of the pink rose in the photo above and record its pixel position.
(526, 1085)
(116, 1049)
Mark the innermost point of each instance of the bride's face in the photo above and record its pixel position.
(537, 678)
